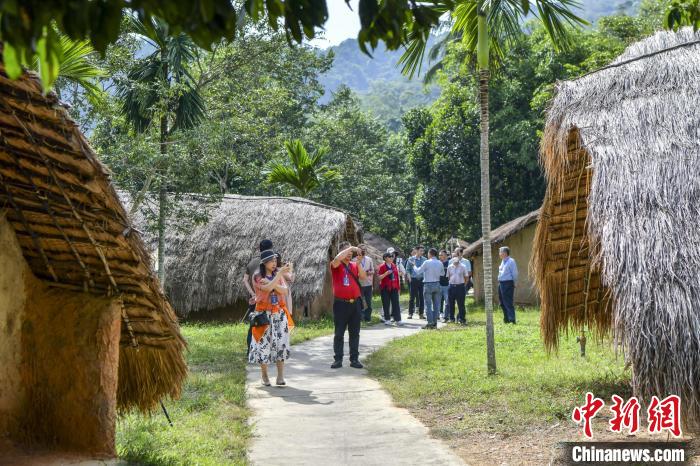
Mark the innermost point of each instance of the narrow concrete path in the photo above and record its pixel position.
(337, 417)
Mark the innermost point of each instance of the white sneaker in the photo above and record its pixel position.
(386, 322)
(400, 323)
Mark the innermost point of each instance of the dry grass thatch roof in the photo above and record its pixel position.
(498, 235)
(454, 243)
(619, 226)
(204, 268)
(75, 235)
(378, 243)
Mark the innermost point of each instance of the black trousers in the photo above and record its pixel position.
(347, 316)
(391, 298)
(458, 293)
(367, 293)
(506, 290)
(416, 293)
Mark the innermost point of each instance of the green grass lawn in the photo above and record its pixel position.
(442, 376)
(210, 418)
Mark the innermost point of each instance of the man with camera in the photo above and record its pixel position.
(347, 305)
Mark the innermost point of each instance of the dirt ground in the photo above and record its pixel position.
(539, 445)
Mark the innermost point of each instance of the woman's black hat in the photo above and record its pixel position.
(267, 256)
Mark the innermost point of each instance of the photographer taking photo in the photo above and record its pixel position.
(347, 305)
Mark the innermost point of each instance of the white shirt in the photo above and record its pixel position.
(368, 266)
(457, 274)
(431, 270)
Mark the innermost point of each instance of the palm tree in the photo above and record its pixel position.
(160, 90)
(74, 67)
(486, 26)
(305, 172)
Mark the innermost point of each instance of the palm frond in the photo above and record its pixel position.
(189, 109)
(412, 58)
(556, 16)
(305, 172)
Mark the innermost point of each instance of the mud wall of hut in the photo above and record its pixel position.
(12, 302)
(520, 245)
(59, 362)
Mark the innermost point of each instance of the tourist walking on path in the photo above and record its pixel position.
(444, 287)
(367, 283)
(507, 276)
(431, 270)
(416, 297)
(347, 305)
(389, 287)
(458, 278)
(271, 322)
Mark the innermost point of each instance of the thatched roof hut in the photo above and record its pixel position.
(518, 235)
(78, 299)
(614, 247)
(378, 243)
(204, 268)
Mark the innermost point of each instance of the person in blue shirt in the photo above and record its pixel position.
(431, 270)
(507, 276)
(416, 287)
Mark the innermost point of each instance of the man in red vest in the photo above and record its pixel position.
(347, 305)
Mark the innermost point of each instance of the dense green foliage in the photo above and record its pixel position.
(412, 181)
(444, 139)
(28, 28)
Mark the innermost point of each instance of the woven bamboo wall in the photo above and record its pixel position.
(568, 281)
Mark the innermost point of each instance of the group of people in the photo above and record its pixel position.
(437, 286)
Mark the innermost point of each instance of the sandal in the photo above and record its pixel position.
(281, 383)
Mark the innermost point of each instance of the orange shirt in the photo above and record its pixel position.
(266, 299)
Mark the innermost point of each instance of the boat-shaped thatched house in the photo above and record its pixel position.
(518, 235)
(85, 329)
(204, 267)
(615, 246)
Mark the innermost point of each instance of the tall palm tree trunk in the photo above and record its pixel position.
(484, 74)
(486, 219)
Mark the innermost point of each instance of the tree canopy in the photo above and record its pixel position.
(30, 28)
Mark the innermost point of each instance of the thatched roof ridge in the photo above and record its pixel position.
(377, 242)
(75, 235)
(205, 267)
(498, 235)
(638, 128)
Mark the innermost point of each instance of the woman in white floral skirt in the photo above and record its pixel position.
(270, 342)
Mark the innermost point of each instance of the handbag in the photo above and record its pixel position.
(357, 280)
(260, 320)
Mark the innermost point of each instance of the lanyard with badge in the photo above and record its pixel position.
(274, 300)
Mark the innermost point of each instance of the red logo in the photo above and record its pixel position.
(587, 412)
(626, 416)
(665, 415)
(662, 415)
